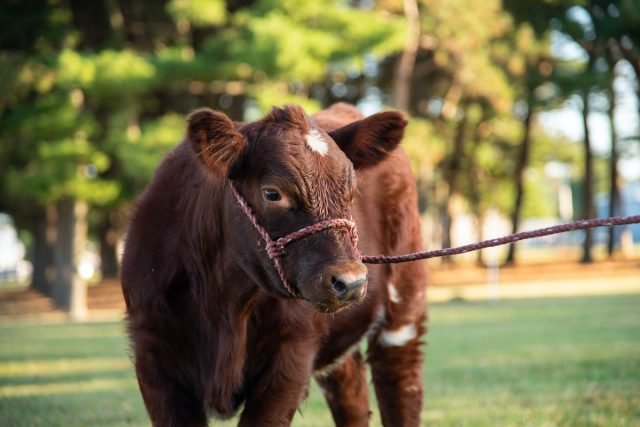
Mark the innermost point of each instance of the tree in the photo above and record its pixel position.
(614, 188)
(530, 66)
(600, 28)
(454, 71)
(589, 27)
(94, 95)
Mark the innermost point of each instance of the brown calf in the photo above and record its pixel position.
(211, 321)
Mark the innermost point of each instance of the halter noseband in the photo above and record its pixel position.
(275, 248)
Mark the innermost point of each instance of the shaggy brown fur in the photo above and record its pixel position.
(211, 325)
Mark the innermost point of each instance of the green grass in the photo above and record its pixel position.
(545, 362)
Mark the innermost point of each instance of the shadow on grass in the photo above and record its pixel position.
(120, 406)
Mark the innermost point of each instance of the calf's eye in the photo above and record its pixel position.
(271, 195)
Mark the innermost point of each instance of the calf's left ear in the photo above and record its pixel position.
(215, 140)
(368, 141)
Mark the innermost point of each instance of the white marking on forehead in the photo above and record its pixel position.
(398, 337)
(316, 142)
(394, 296)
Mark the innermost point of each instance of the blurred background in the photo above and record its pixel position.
(523, 114)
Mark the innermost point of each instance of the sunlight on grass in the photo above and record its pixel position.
(67, 387)
(62, 366)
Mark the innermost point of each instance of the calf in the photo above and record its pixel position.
(220, 316)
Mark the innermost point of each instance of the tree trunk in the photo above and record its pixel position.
(614, 190)
(147, 20)
(632, 57)
(451, 172)
(588, 208)
(44, 234)
(404, 71)
(69, 290)
(92, 19)
(474, 177)
(521, 167)
(108, 249)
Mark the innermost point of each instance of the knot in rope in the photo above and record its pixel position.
(275, 249)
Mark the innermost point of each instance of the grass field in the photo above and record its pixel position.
(537, 362)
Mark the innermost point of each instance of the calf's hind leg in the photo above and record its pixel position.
(394, 351)
(345, 390)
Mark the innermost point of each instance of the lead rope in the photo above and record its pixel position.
(562, 228)
(275, 248)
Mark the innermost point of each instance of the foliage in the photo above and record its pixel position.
(199, 13)
(75, 111)
(424, 146)
(92, 97)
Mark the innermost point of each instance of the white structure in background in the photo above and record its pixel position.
(89, 262)
(13, 266)
(464, 231)
(494, 226)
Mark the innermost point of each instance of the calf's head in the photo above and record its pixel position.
(294, 174)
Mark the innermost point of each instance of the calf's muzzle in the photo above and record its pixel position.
(347, 281)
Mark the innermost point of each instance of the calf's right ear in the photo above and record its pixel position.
(368, 141)
(215, 140)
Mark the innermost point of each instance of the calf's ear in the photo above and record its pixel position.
(368, 141)
(215, 140)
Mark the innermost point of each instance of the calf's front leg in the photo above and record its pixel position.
(345, 390)
(167, 403)
(275, 394)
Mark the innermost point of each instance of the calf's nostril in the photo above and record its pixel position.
(347, 286)
(338, 286)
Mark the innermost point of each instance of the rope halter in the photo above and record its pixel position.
(275, 248)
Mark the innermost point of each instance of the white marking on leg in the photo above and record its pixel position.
(394, 296)
(327, 370)
(378, 320)
(316, 142)
(398, 337)
(373, 328)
